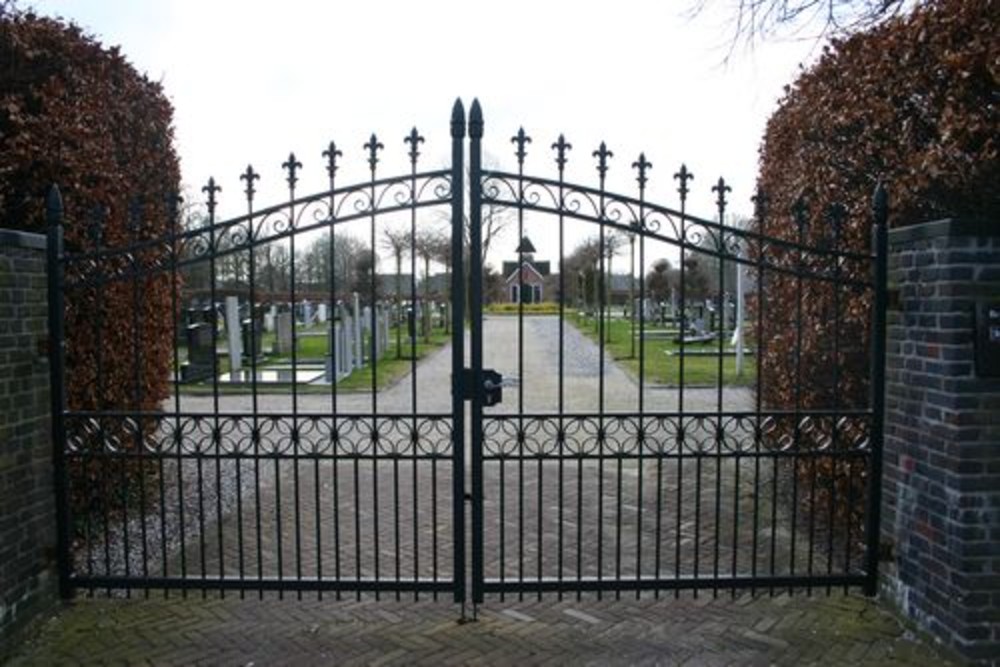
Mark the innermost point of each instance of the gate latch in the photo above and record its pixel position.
(492, 387)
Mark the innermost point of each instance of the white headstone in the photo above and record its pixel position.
(321, 316)
(307, 313)
(233, 334)
(359, 353)
(284, 340)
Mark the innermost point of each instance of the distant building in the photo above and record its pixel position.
(531, 275)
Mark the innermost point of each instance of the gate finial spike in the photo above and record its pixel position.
(414, 139)
(292, 165)
(643, 165)
(211, 189)
(602, 154)
(880, 203)
(250, 176)
(683, 176)
(561, 146)
(458, 119)
(53, 206)
(373, 147)
(476, 120)
(521, 140)
(331, 154)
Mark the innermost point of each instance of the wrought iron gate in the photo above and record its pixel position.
(583, 478)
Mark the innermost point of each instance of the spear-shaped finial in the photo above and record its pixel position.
(721, 189)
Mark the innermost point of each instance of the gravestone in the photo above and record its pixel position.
(307, 313)
(283, 341)
(200, 353)
(233, 337)
(321, 314)
(252, 344)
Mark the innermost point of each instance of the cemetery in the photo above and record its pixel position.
(312, 345)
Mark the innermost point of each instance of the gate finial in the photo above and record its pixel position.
(561, 146)
(250, 176)
(521, 139)
(211, 189)
(414, 139)
(880, 203)
(458, 119)
(683, 176)
(331, 154)
(643, 165)
(373, 147)
(292, 165)
(476, 120)
(602, 154)
(720, 201)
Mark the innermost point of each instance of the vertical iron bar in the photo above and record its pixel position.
(760, 212)
(135, 215)
(211, 189)
(602, 154)
(683, 176)
(172, 201)
(800, 212)
(836, 217)
(57, 380)
(721, 188)
(249, 176)
(457, 374)
(561, 147)
(880, 211)
(331, 154)
(640, 225)
(476, 318)
(373, 147)
(292, 165)
(414, 139)
(520, 140)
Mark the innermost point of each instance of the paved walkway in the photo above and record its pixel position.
(524, 537)
(795, 631)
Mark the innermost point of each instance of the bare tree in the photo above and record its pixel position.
(397, 242)
(755, 21)
(428, 245)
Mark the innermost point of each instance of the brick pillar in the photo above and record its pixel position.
(28, 579)
(941, 511)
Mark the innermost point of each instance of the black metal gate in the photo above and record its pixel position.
(253, 470)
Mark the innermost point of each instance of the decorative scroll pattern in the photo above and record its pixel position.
(694, 234)
(100, 265)
(209, 435)
(615, 435)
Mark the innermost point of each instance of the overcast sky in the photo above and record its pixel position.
(251, 81)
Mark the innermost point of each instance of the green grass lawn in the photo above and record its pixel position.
(312, 350)
(663, 368)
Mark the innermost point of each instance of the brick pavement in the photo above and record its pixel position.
(800, 630)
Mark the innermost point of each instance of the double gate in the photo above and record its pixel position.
(249, 404)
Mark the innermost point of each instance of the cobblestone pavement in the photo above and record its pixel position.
(798, 631)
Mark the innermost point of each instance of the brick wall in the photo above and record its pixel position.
(942, 425)
(27, 509)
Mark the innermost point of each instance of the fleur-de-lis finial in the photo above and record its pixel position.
(800, 210)
(250, 176)
(331, 154)
(292, 166)
(721, 188)
(602, 154)
(760, 201)
(521, 140)
(373, 147)
(414, 139)
(561, 146)
(211, 189)
(643, 165)
(683, 176)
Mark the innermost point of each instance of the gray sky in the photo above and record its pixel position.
(251, 81)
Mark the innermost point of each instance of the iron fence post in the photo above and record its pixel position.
(476, 336)
(880, 211)
(57, 387)
(458, 345)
